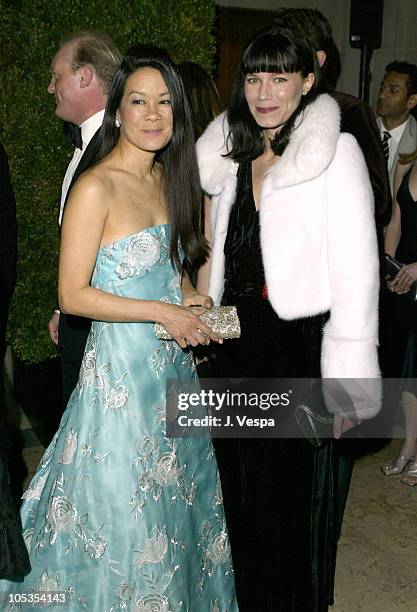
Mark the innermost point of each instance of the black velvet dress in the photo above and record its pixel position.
(404, 310)
(279, 494)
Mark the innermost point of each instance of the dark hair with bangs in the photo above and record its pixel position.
(178, 158)
(273, 49)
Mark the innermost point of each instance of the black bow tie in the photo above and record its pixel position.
(74, 133)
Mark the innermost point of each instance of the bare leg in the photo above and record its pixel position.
(410, 443)
(409, 447)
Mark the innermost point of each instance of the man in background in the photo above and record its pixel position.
(357, 118)
(397, 99)
(81, 74)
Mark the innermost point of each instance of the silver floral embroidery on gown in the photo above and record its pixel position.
(141, 253)
(118, 516)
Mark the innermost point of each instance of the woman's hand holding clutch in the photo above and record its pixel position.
(404, 279)
(199, 303)
(184, 326)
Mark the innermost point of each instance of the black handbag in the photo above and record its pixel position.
(392, 267)
(313, 419)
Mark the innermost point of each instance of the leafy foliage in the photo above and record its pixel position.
(30, 31)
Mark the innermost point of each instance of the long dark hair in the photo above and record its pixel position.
(181, 178)
(202, 95)
(273, 49)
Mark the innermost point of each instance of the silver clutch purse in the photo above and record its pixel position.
(223, 320)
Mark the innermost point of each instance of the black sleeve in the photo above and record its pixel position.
(8, 230)
(359, 120)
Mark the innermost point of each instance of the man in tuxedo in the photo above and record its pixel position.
(397, 99)
(81, 74)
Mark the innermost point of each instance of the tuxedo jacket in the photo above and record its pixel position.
(73, 331)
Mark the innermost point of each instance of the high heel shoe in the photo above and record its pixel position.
(410, 475)
(396, 466)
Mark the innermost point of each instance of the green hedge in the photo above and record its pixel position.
(38, 151)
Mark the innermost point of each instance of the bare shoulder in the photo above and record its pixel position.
(109, 175)
(402, 169)
(91, 190)
(87, 208)
(400, 172)
(92, 181)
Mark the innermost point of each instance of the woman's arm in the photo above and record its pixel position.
(393, 232)
(204, 271)
(84, 221)
(192, 296)
(408, 274)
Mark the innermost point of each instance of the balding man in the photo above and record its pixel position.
(81, 73)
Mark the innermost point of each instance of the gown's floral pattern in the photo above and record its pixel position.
(118, 516)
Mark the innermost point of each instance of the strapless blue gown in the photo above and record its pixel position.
(118, 516)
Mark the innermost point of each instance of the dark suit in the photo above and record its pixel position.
(73, 331)
(8, 246)
(358, 119)
(407, 144)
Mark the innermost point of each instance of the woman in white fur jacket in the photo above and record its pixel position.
(294, 248)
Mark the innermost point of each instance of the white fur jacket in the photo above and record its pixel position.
(317, 235)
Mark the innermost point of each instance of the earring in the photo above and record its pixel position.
(117, 123)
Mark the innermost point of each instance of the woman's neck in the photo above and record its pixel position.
(269, 136)
(133, 159)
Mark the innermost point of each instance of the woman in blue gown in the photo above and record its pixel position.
(118, 516)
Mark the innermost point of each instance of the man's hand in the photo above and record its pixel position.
(53, 328)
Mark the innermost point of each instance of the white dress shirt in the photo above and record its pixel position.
(394, 141)
(88, 129)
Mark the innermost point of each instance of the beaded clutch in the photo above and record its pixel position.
(223, 320)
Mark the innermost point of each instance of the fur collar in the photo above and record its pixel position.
(311, 148)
